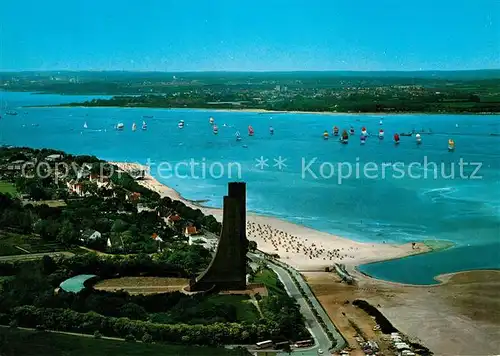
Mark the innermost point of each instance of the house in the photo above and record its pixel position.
(75, 188)
(53, 158)
(134, 197)
(90, 235)
(190, 231)
(204, 240)
(114, 241)
(172, 219)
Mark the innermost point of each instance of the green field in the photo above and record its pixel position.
(31, 343)
(270, 280)
(210, 309)
(8, 188)
(33, 244)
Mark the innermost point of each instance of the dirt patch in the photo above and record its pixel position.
(460, 317)
(143, 285)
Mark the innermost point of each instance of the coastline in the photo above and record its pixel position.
(266, 111)
(301, 247)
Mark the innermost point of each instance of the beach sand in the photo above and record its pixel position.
(303, 248)
(461, 316)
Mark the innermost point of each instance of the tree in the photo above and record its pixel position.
(67, 234)
(252, 246)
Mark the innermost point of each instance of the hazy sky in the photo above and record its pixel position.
(184, 35)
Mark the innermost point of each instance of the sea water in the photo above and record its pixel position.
(389, 208)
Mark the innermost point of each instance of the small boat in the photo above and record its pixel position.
(215, 130)
(363, 131)
(119, 126)
(181, 124)
(381, 134)
(147, 116)
(238, 136)
(134, 127)
(406, 134)
(351, 131)
(250, 130)
(211, 120)
(335, 131)
(418, 138)
(85, 125)
(396, 138)
(11, 113)
(271, 130)
(144, 125)
(451, 145)
(345, 137)
(363, 139)
(325, 135)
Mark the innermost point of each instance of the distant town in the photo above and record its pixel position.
(336, 92)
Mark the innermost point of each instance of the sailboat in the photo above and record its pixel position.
(335, 131)
(134, 127)
(451, 145)
(363, 131)
(396, 138)
(271, 130)
(119, 126)
(144, 125)
(180, 124)
(380, 122)
(351, 131)
(85, 125)
(418, 138)
(381, 134)
(215, 130)
(325, 135)
(238, 136)
(250, 130)
(211, 120)
(345, 137)
(362, 139)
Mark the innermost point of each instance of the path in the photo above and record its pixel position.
(35, 256)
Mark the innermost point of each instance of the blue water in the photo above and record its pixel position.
(464, 211)
(76, 283)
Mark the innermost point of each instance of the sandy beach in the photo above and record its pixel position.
(303, 248)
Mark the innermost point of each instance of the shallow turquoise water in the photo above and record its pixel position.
(75, 284)
(464, 211)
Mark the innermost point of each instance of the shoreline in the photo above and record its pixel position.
(263, 111)
(299, 246)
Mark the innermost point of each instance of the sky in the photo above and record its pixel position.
(252, 35)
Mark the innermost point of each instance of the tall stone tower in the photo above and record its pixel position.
(227, 271)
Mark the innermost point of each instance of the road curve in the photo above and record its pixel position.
(322, 340)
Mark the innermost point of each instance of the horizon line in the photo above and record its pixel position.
(252, 71)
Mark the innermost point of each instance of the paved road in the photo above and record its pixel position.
(322, 340)
(33, 256)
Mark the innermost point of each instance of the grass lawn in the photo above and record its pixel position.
(243, 308)
(33, 244)
(32, 343)
(270, 280)
(9, 188)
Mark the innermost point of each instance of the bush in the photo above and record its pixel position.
(147, 339)
(130, 338)
(97, 334)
